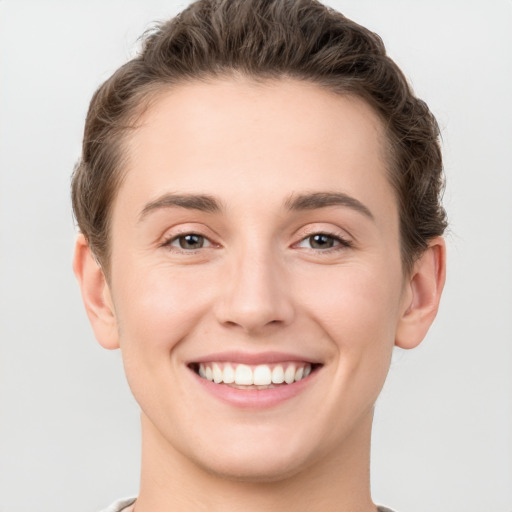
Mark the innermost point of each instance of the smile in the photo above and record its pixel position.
(256, 381)
(262, 376)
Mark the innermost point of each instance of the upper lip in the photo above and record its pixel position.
(254, 358)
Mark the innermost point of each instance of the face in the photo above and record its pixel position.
(256, 280)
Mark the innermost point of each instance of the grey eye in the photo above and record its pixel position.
(321, 241)
(190, 241)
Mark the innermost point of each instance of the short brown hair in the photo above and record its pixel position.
(264, 39)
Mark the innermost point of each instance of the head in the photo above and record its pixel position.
(264, 41)
(259, 186)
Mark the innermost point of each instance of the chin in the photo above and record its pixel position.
(255, 459)
(251, 469)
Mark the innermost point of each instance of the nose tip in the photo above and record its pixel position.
(252, 321)
(255, 315)
(255, 297)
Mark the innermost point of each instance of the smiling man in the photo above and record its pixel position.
(258, 201)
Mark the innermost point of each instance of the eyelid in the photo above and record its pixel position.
(176, 238)
(322, 228)
(342, 237)
(338, 241)
(176, 232)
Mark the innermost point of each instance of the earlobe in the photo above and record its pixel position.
(95, 295)
(422, 296)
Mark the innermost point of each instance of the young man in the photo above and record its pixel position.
(259, 207)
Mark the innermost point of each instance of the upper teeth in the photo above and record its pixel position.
(260, 375)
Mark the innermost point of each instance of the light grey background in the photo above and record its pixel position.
(69, 432)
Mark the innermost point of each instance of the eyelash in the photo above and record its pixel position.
(339, 241)
(176, 238)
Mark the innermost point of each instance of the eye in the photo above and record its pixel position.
(323, 241)
(189, 242)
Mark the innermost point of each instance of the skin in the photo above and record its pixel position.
(258, 284)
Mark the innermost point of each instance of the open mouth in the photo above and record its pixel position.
(261, 376)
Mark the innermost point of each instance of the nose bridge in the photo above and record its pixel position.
(255, 294)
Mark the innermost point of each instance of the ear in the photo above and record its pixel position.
(96, 295)
(422, 294)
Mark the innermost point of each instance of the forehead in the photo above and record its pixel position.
(241, 138)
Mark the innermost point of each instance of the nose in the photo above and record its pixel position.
(254, 294)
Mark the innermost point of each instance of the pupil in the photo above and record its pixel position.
(191, 242)
(321, 241)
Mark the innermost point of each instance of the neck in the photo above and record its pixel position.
(171, 482)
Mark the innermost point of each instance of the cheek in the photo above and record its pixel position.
(359, 304)
(156, 310)
(356, 307)
(358, 311)
(157, 307)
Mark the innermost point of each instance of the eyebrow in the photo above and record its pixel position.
(296, 202)
(314, 200)
(200, 202)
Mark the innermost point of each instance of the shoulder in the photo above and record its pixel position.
(384, 509)
(119, 505)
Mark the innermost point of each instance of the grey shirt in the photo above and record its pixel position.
(125, 503)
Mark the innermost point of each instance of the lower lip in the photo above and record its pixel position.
(256, 398)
